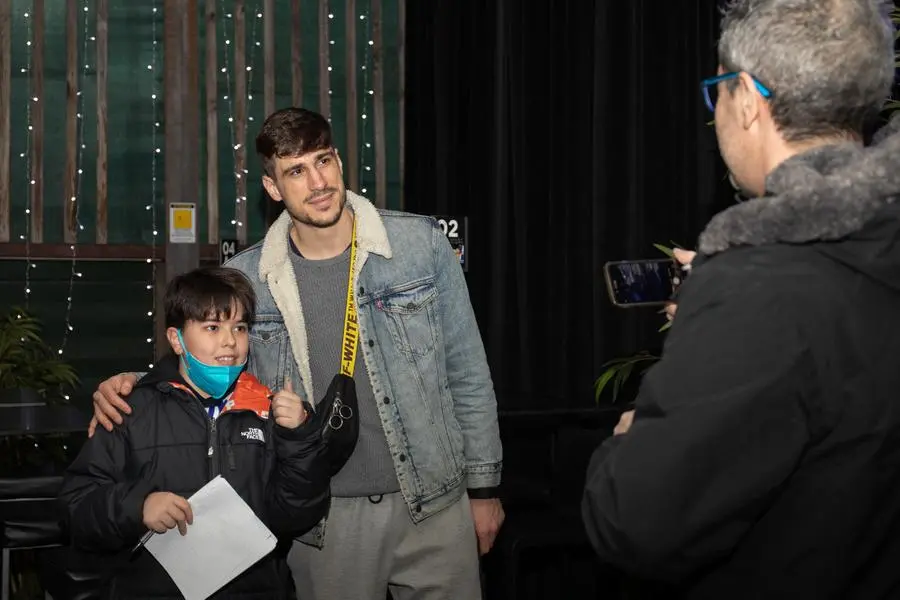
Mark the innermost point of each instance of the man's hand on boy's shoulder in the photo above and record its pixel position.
(287, 408)
(108, 403)
(165, 510)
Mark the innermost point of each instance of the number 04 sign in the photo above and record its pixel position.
(456, 230)
(227, 249)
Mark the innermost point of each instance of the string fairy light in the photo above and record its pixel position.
(26, 155)
(235, 143)
(327, 7)
(154, 163)
(74, 273)
(367, 52)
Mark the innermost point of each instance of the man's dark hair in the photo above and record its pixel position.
(208, 294)
(291, 132)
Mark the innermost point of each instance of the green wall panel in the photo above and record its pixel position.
(134, 135)
(111, 300)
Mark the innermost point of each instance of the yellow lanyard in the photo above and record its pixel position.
(351, 327)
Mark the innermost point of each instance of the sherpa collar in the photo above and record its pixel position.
(370, 234)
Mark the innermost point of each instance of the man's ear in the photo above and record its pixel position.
(749, 100)
(271, 188)
(174, 342)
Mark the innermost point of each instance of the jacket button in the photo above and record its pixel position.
(371, 343)
(362, 290)
(402, 458)
(411, 305)
(265, 336)
(418, 508)
(388, 401)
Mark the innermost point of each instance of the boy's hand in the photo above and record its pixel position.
(165, 510)
(287, 408)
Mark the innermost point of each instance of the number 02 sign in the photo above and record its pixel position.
(456, 230)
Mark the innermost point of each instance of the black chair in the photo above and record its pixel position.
(28, 519)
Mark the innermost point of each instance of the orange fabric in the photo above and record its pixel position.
(248, 394)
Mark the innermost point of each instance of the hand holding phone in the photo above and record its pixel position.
(648, 282)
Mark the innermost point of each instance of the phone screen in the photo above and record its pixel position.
(649, 282)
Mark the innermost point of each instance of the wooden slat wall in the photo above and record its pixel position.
(324, 61)
(102, 235)
(5, 141)
(352, 149)
(37, 122)
(98, 252)
(401, 56)
(351, 145)
(296, 55)
(378, 86)
(268, 57)
(181, 90)
(240, 119)
(70, 176)
(212, 126)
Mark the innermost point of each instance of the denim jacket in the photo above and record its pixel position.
(419, 340)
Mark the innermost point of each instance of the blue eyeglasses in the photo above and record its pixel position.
(711, 83)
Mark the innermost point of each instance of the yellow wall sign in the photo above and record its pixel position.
(182, 223)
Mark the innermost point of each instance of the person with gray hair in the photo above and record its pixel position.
(762, 457)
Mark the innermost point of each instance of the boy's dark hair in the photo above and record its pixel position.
(291, 132)
(208, 293)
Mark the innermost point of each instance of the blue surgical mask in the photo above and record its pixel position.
(215, 380)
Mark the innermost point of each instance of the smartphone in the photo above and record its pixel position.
(650, 282)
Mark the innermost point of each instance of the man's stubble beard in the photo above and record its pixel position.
(306, 220)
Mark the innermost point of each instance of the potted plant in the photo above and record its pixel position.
(31, 375)
(33, 378)
(29, 370)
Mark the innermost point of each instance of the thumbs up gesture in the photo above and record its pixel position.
(287, 408)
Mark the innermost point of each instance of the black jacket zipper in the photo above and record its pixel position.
(213, 444)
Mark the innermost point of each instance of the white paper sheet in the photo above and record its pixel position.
(225, 539)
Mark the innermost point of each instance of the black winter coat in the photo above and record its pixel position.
(764, 456)
(169, 443)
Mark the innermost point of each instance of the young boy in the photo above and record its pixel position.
(196, 415)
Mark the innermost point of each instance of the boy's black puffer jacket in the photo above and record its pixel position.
(169, 443)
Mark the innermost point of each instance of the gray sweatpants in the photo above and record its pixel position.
(372, 547)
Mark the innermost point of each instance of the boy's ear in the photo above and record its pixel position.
(172, 336)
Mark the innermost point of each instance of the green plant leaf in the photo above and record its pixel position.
(665, 326)
(602, 381)
(617, 372)
(665, 250)
(622, 376)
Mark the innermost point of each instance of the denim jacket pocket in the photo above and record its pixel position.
(411, 316)
(269, 340)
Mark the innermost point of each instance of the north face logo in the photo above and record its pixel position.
(254, 433)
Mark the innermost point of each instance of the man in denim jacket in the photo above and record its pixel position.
(417, 502)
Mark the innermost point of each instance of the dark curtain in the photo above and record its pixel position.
(571, 133)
